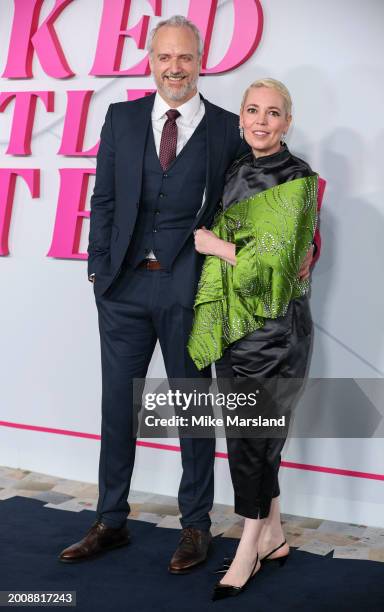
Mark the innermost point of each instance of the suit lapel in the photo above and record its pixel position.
(216, 134)
(137, 135)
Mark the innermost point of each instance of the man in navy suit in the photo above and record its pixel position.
(160, 175)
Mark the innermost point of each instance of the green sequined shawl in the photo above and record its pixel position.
(272, 231)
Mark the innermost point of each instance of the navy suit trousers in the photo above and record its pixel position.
(140, 308)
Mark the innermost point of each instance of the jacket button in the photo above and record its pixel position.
(157, 212)
(162, 195)
(155, 231)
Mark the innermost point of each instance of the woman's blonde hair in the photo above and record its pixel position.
(272, 84)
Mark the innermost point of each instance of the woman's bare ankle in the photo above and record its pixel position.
(270, 539)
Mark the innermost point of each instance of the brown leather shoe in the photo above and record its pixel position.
(192, 549)
(97, 540)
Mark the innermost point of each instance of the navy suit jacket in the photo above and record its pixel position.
(116, 197)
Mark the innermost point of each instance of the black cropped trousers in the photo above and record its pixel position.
(279, 350)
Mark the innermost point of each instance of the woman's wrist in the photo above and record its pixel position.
(225, 250)
(207, 243)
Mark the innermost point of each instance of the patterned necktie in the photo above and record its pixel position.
(168, 141)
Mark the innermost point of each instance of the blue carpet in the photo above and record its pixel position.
(135, 578)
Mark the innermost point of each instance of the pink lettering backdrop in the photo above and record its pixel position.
(33, 37)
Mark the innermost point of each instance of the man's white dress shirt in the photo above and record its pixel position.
(191, 113)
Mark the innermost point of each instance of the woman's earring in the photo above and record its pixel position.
(283, 138)
(241, 130)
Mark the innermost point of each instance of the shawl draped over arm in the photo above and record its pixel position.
(272, 231)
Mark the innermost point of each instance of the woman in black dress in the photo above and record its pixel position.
(253, 327)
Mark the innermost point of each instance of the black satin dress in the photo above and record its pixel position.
(279, 349)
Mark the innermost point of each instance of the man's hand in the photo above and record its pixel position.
(305, 269)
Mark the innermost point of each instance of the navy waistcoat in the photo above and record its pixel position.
(169, 200)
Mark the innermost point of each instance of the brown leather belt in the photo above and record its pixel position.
(150, 264)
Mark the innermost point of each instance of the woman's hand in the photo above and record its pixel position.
(206, 242)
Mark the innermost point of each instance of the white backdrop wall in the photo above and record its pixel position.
(330, 56)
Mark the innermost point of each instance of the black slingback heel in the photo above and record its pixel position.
(221, 591)
(280, 560)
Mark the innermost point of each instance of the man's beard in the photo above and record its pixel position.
(179, 94)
